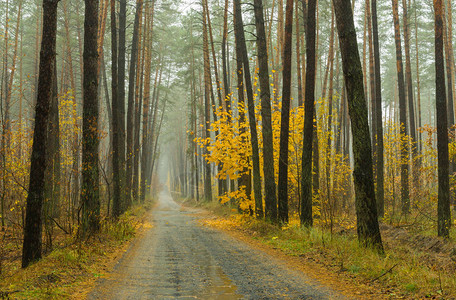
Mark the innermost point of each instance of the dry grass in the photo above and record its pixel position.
(70, 270)
(414, 266)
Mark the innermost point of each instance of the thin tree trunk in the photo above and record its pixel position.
(378, 115)
(410, 94)
(207, 105)
(221, 182)
(309, 108)
(118, 183)
(131, 101)
(405, 200)
(265, 95)
(282, 187)
(240, 40)
(146, 104)
(443, 207)
(244, 180)
(298, 55)
(121, 99)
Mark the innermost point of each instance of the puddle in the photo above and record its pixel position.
(220, 285)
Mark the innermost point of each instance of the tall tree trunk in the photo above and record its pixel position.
(207, 104)
(366, 209)
(138, 105)
(309, 108)
(265, 95)
(225, 66)
(405, 200)
(244, 180)
(131, 101)
(282, 186)
(221, 182)
(443, 207)
(371, 86)
(298, 55)
(378, 114)
(121, 98)
(31, 250)
(52, 174)
(240, 40)
(226, 86)
(145, 153)
(118, 183)
(448, 49)
(410, 93)
(90, 193)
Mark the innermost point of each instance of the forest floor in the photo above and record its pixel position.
(72, 268)
(211, 252)
(415, 265)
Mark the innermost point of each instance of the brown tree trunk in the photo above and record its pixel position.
(121, 98)
(265, 95)
(31, 250)
(244, 180)
(443, 207)
(448, 49)
(378, 114)
(207, 105)
(410, 93)
(298, 55)
(90, 193)
(146, 104)
(366, 209)
(405, 200)
(282, 186)
(118, 181)
(309, 108)
(240, 41)
(131, 102)
(221, 182)
(226, 87)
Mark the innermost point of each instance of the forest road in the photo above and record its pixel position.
(180, 259)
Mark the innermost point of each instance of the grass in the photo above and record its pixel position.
(70, 271)
(403, 271)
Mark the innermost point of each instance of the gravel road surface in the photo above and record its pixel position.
(180, 259)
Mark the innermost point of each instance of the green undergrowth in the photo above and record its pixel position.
(70, 270)
(403, 271)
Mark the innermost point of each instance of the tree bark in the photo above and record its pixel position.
(121, 98)
(405, 200)
(244, 180)
(240, 40)
(207, 105)
(366, 209)
(309, 108)
(90, 193)
(265, 96)
(443, 206)
(282, 186)
(378, 114)
(410, 94)
(131, 102)
(298, 56)
(31, 250)
(118, 183)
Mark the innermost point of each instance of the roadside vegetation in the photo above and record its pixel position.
(416, 264)
(71, 269)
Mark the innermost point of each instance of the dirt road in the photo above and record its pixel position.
(179, 259)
